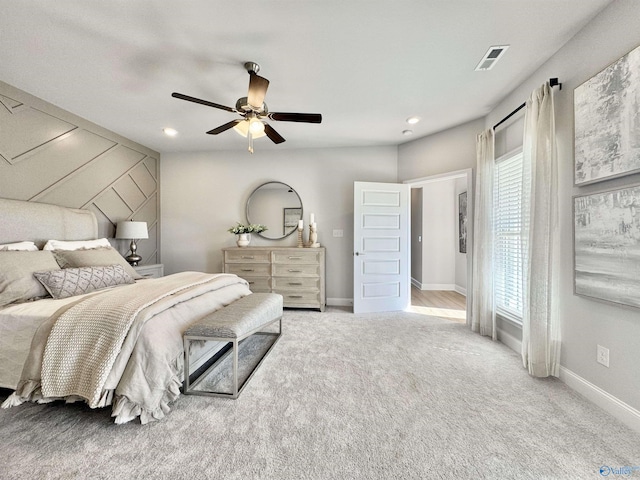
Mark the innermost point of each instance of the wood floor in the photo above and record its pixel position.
(439, 303)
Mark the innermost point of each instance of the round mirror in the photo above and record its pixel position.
(276, 205)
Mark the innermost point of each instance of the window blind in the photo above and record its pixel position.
(508, 229)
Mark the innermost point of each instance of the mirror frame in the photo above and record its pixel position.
(258, 188)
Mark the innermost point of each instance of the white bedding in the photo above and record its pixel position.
(18, 323)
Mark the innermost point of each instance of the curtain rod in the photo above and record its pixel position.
(552, 82)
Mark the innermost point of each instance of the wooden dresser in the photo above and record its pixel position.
(298, 274)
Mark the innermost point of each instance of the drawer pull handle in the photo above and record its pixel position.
(294, 296)
(249, 257)
(295, 283)
(246, 269)
(295, 258)
(295, 271)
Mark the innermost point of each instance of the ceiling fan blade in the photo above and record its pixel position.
(257, 90)
(272, 134)
(224, 128)
(296, 117)
(201, 102)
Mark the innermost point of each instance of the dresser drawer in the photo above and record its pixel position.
(247, 257)
(299, 283)
(281, 270)
(259, 284)
(258, 269)
(302, 299)
(295, 258)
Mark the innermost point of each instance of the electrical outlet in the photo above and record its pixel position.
(338, 233)
(603, 355)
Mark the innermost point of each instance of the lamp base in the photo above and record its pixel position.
(133, 260)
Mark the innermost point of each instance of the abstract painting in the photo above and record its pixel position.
(607, 122)
(607, 245)
(462, 222)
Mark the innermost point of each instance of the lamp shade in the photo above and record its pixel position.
(243, 128)
(132, 230)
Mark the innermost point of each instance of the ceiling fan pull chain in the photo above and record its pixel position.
(250, 141)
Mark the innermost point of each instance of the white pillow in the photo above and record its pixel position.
(77, 245)
(22, 246)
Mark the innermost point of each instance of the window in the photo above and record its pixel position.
(508, 231)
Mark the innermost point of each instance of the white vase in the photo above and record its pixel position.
(243, 239)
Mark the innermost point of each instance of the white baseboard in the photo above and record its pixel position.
(340, 302)
(616, 407)
(437, 286)
(510, 341)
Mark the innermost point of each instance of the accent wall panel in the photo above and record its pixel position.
(49, 155)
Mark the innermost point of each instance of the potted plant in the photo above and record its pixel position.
(243, 232)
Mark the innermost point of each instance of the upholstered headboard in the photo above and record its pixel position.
(39, 222)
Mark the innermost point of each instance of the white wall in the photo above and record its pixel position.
(447, 151)
(416, 236)
(587, 323)
(438, 235)
(203, 194)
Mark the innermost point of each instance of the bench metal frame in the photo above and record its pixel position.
(189, 386)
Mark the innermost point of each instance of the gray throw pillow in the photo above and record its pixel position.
(97, 257)
(70, 282)
(17, 283)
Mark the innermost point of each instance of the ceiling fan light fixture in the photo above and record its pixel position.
(256, 126)
(243, 129)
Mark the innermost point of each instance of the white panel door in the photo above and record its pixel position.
(381, 247)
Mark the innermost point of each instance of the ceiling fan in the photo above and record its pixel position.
(254, 111)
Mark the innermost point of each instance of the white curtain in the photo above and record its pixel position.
(482, 303)
(540, 322)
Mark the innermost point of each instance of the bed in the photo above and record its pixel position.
(118, 345)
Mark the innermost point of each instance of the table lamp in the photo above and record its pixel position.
(133, 231)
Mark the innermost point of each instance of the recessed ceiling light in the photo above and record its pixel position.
(407, 132)
(170, 132)
(413, 120)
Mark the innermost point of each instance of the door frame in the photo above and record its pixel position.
(468, 174)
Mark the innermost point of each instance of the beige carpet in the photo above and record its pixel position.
(342, 396)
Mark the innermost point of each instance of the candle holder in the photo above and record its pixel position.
(300, 241)
(313, 236)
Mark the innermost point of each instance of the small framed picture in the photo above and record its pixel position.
(462, 222)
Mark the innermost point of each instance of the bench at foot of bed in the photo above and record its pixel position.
(236, 325)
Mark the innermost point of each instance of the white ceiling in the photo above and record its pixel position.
(366, 65)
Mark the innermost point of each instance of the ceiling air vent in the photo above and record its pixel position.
(491, 57)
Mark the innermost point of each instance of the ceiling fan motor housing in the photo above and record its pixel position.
(242, 105)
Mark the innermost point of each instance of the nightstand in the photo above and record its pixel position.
(150, 271)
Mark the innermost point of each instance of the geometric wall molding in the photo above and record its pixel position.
(50, 155)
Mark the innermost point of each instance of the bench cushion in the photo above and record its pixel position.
(240, 317)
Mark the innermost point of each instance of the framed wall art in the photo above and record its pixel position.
(606, 232)
(462, 222)
(607, 122)
(291, 217)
